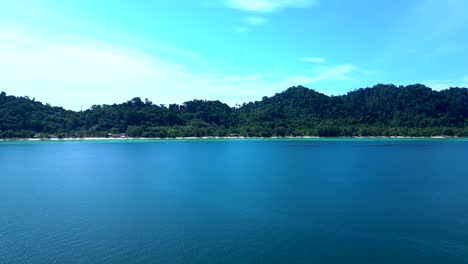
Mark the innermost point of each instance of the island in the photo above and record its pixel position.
(382, 110)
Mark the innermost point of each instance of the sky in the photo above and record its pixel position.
(76, 54)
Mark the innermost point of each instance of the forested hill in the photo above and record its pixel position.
(383, 110)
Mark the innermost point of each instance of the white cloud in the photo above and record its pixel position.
(73, 71)
(249, 22)
(312, 59)
(330, 73)
(445, 84)
(267, 6)
(241, 29)
(253, 20)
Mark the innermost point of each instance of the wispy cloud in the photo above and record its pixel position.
(312, 59)
(330, 73)
(74, 71)
(249, 22)
(255, 20)
(445, 84)
(241, 29)
(267, 6)
(263, 6)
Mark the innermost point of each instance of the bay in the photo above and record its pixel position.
(234, 201)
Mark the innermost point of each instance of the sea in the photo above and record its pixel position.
(234, 201)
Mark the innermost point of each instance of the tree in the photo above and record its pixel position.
(382, 110)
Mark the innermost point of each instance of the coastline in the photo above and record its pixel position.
(222, 138)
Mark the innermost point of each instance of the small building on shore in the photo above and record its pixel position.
(119, 135)
(53, 136)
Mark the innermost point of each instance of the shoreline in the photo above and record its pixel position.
(220, 138)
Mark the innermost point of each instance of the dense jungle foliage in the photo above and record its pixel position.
(383, 110)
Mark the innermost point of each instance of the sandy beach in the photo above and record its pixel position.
(211, 138)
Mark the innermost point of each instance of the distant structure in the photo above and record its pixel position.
(119, 135)
(52, 136)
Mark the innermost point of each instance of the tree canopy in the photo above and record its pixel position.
(382, 110)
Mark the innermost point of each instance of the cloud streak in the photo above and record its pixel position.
(445, 84)
(254, 20)
(330, 73)
(268, 6)
(263, 7)
(241, 29)
(312, 59)
(73, 71)
(248, 23)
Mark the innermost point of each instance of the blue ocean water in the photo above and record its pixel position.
(234, 201)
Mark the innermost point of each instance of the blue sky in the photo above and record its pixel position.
(80, 53)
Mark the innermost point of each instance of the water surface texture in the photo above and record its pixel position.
(234, 201)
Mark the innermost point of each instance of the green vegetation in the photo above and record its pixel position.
(383, 110)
